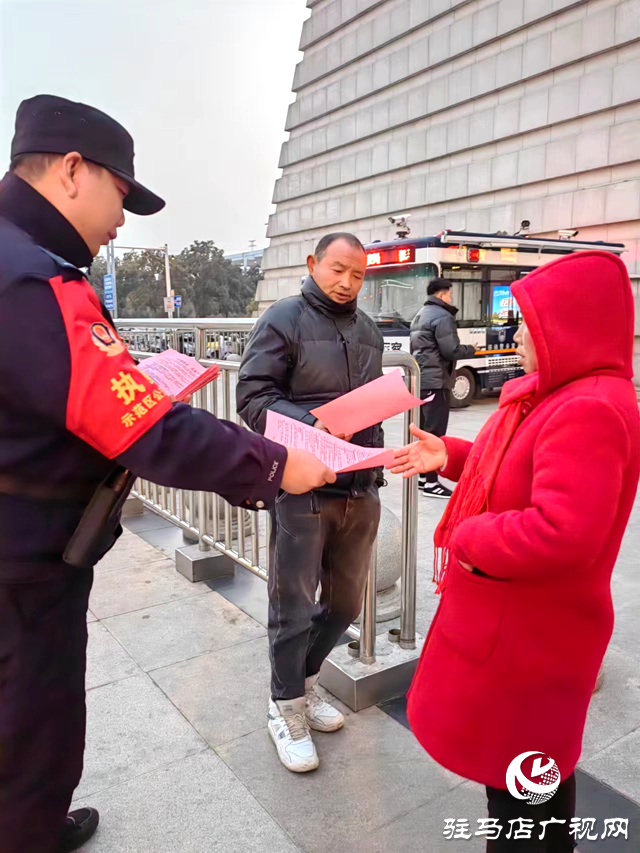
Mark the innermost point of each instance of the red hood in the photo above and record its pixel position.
(580, 312)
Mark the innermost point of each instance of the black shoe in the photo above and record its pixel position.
(436, 490)
(80, 826)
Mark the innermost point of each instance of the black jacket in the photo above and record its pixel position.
(435, 343)
(305, 351)
(187, 448)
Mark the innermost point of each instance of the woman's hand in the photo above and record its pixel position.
(429, 453)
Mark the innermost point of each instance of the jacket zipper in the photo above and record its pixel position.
(346, 355)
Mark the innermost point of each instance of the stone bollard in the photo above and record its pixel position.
(389, 566)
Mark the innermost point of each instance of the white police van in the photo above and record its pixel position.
(481, 268)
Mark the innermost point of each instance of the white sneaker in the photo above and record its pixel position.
(321, 716)
(289, 731)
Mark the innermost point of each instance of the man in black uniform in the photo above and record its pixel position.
(436, 346)
(73, 410)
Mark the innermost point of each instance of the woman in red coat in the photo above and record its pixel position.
(525, 551)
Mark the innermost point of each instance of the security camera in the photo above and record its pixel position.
(401, 222)
(568, 234)
(525, 225)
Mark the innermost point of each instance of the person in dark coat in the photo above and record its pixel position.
(436, 347)
(74, 411)
(305, 351)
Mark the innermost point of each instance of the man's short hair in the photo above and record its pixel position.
(328, 239)
(32, 167)
(438, 285)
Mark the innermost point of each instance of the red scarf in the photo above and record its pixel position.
(471, 496)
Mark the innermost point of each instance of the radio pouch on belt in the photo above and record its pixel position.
(85, 546)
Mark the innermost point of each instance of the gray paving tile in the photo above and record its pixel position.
(139, 585)
(163, 635)
(128, 551)
(423, 828)
(371, 772)
(165, 539)
(625, 583)
(191, 806)
(107, 661)
(224, 694)
(132, 728)
(614, 711)
(91, 617)
(149, 520)
(246, 590)
(626, 633)
(597, 800)
(618, 766)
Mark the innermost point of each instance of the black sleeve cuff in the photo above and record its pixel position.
(266, 491)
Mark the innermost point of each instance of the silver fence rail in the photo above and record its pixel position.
(219, 339)
(241, 535)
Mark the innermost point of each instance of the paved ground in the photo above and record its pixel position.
(178, 759)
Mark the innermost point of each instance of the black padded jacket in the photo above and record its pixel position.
(436, 345)
(305, 351)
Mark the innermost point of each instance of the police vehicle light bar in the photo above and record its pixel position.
(491, 241)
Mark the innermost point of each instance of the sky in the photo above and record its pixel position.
(203, 86)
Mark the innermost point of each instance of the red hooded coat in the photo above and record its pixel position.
(511, 660)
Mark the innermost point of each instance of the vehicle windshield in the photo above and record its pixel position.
(396, 293)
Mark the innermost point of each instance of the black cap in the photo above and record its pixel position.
(47, 124)
(438, 284)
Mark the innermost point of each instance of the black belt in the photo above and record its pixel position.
(57, 492)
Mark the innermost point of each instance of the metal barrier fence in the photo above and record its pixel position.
(241, 535)
(219, 338)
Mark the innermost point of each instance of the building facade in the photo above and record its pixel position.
(467, 114)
